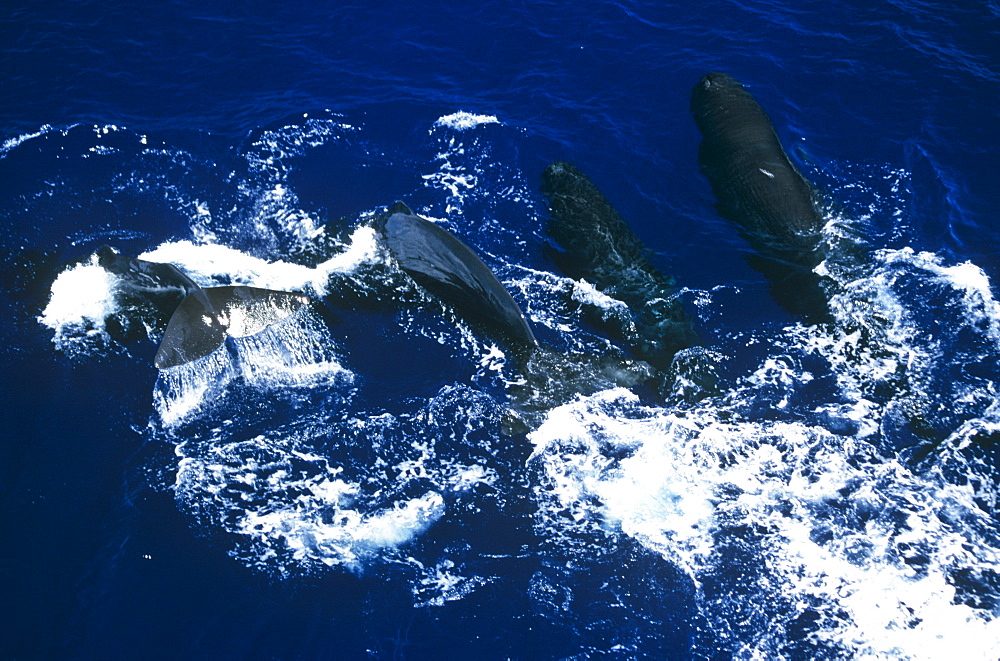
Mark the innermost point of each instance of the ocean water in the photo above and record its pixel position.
(347, 483)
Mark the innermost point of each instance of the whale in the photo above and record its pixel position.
(447, 268)
(594, 243)
(758, 187)
(205, 316)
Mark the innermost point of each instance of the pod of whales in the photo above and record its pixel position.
(205, 316)
(752, 177)
(447, 268)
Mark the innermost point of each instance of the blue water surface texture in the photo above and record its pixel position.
(356, 481)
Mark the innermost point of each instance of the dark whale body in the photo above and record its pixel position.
(759, 188)
(596, 244)
(205, 316)
(447, 268)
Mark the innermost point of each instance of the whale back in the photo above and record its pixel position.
(760, 189)
(596, 244)
(448, 269)
(753, 179)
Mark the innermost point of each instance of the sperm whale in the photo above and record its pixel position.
(446, 267)
(760, 189)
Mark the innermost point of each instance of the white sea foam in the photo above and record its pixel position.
(463, 121)
(902, 324)
(584, 292)
(11, 143)
(554, 302)
(321, 525)
(278, 206)
(442, 583)
(966, 279)
(882, 559)
(82, 297)
(266, 213)
(296, 501)
(210, 264)
(268, 151)
(462, 161)
(455, 181)
(864, 540)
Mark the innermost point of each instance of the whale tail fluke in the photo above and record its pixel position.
(205, 317)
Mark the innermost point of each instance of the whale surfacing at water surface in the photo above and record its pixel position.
(596, 244)
(759, 189)
(446, 267)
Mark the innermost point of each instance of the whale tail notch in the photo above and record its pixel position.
(205, 317)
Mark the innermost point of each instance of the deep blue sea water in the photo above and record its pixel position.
(343, 486)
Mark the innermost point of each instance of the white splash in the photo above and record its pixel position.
(181, 392)
(463, 121)
(210, 264)
(292, 509)
(297, 352)
(655, 497)
(586, 293)
(845, 533)
(966, 278)
(321, 525)
(82, 297)
(11, 143)
(323, 490)
(869, 556)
